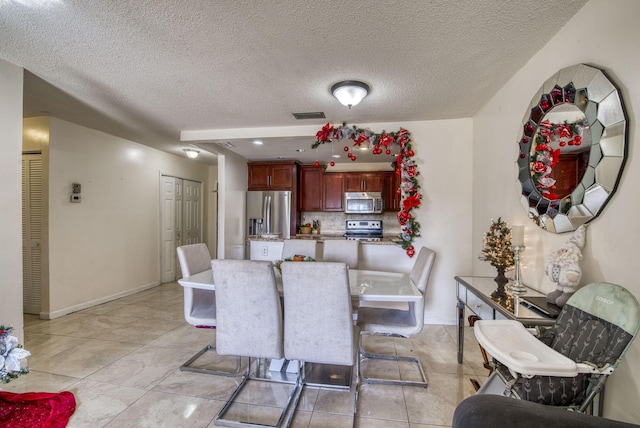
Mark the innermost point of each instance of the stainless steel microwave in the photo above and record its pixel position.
(363, 203)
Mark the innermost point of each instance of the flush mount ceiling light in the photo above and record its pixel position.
(350, 92)
(192, 153)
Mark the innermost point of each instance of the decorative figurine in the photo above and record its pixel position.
(563, 267)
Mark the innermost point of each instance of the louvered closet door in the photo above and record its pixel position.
(32, 232)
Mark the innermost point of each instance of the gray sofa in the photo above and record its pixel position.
(494, 411)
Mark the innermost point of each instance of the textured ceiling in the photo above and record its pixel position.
(146, 70)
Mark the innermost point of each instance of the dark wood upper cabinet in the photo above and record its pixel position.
(363, 181)
(311, 188)
(272, 176)
(390, 193)
(333, 191)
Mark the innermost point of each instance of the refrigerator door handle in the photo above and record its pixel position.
(267, 213)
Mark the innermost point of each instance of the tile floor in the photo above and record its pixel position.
(121, 361)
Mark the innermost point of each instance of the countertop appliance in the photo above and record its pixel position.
(368, 230)
(363, 203)
(269, 213)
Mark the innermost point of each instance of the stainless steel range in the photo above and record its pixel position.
(369, 230)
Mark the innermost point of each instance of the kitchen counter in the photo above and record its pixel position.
(385, 240)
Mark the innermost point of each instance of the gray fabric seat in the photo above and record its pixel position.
(341, 250)
(318, 316)
(302, 247)
(249, 324)
(199, 305)
(595, 328)
(398, 322)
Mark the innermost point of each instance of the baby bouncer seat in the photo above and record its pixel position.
(567, 364)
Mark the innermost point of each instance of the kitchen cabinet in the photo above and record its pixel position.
(333, 199)
(311, 188)
(390, 194)
(363, 181)
(272, 176)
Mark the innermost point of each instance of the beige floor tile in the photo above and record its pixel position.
(382, 402)
(80, 361)
(144, 368)
(36, 381)
(198, 385)
(98, 403)
(328, 420)
(435, 404)
(160, 409)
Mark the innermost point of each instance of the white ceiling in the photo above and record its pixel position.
(147, 70)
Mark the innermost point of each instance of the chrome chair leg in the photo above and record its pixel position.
(286, 415)
(364, 355)
(186, 367)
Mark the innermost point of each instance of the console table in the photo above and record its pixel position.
(478, 293)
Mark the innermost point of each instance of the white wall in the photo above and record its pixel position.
(11, 197)
(603, 34)
(108, 245)
(232, 190)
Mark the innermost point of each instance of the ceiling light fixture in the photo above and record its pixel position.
(350, 92)
(192, 153)
(258, 142)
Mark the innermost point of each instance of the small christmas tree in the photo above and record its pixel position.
(496, 246)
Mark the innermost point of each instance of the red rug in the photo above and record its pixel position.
(36, 409)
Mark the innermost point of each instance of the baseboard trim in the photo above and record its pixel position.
(75, 308)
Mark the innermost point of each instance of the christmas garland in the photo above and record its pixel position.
(404, 166)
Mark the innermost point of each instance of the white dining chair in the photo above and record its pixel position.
(199, 305)
(341, 250)
(397, 322)
(317, 314)
(249, 324)
(302, 247)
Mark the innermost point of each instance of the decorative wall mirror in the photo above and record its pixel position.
(572, 148)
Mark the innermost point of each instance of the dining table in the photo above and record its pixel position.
(365, 285)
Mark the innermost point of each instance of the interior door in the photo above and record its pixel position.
(181, 221)
(192, 202)
(168, 231)
(32, 233)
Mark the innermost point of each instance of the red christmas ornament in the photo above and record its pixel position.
(346, 148)
(522, 156)
(332, 163)
(316, 163)
(353, 158)
(388, 152)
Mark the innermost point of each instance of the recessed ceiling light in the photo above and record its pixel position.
(335, 156)
(258, 143)
(299, 150)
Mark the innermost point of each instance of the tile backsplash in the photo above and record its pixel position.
(334, 222)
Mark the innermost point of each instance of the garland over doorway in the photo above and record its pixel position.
(403, 165)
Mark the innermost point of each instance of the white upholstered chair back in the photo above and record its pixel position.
(194, 258)
(199, 305)
(421, 270)
(248, 309)
(303, 247)
(341, 250)
(317, 312)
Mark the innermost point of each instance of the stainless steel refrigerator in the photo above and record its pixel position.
(269, 212)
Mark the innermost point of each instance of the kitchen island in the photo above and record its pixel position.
(384, 254)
